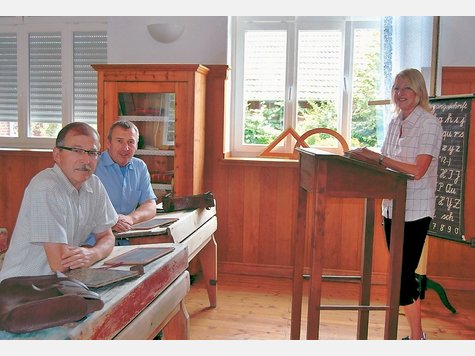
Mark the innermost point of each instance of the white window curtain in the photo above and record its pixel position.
(407, 44)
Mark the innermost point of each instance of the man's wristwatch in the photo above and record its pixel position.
(381, 158)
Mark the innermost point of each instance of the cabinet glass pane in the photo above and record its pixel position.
(154, 115)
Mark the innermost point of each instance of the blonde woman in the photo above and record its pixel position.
(412, 146)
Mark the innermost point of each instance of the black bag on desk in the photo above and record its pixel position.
(189, 202)
(30, 303)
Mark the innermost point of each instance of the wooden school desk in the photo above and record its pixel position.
(134, 309)
(193, 229)
(323, 175)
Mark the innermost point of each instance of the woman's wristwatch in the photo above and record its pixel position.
(381, 158)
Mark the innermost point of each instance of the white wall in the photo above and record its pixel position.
(456, 46)
(456, 41)
(204, 40)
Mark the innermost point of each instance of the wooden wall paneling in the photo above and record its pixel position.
(461, 80)
(216, 83)
(344, 243)
(219, 185)
(217, 181)
(216, 176)
(284, 220)
(354, 210)
(251, 207)
(308, 233)
(270, 203)
(234, 231)
(8, 202)
(4, 205)
(18, 169)
(337, 242)
(381, 258)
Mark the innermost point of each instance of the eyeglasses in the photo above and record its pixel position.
(80, 151)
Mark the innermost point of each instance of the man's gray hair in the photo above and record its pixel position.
(78, 128)
(125, 124)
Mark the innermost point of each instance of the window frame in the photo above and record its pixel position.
(292, 24)
(67, 26)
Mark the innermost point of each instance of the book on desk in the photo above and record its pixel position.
(107, 274)
(153, 223)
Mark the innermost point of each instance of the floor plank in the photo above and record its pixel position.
(259, 308)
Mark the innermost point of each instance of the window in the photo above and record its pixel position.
(47, 80)
(308, 72)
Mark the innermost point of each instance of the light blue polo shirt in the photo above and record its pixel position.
(127, 188)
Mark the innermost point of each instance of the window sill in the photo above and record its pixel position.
(259, 161)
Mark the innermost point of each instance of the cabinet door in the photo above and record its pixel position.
(152, 108)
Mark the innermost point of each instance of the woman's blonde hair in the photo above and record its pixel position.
(417, 83)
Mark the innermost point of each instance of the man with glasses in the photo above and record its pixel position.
(61, 206)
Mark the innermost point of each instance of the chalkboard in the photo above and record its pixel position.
(454, 115)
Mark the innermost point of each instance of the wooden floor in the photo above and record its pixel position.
(258, 308)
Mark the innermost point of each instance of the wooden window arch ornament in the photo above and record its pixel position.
(319, 130)
(290, 155)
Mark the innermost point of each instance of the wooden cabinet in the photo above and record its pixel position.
(167, 103)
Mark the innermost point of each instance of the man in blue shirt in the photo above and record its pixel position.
(125, 177)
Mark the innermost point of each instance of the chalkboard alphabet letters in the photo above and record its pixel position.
(454, 115)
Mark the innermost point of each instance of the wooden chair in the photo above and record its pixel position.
(320, 130)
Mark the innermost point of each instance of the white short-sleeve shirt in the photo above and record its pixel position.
(53, 210)
(420, 133)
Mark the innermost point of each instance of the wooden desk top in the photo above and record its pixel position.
(344, 177)
(123, 301)
(188, 222)
(332, 156)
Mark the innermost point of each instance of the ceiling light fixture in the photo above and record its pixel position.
(165, 32)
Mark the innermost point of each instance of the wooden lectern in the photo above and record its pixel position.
(324, 175)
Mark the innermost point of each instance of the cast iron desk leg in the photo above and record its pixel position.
(426, 283)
